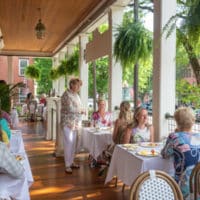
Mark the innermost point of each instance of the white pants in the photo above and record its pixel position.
(70, 139)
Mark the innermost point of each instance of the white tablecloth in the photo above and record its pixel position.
(16, 142)
(18, 188)
(95, 141)
(127, 165)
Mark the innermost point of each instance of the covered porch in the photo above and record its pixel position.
(63, 32)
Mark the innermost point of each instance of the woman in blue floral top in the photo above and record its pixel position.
(184, 146)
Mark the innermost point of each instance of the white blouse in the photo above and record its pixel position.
(141, 135)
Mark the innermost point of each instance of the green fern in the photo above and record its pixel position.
(133, 43)
(32, 72)
(53, 74)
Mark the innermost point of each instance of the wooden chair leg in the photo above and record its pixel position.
(116, 180)
(123, 187)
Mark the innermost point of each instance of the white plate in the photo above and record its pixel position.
(147, 153)
(150, 144)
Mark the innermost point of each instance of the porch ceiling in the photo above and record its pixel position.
(63, 20)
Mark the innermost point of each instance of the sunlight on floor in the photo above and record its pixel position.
(94, 195)
(49, 190)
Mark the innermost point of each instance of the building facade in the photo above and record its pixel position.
(16, 65)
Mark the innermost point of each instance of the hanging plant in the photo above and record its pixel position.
(69, 66)
(32, 72)
(133, 43)
(62, 68)
(73, 64)
(53, 74)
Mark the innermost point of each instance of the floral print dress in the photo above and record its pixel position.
(106, 121)
(140, 135)
(185, 149)
(70, 109)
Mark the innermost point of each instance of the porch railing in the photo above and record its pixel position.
(172, 124)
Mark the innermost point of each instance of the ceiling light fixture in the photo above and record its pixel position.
(40, 27)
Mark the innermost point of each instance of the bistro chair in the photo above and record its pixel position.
(195, 182)
(155, 185)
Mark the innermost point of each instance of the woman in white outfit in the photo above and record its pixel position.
(140, 130)
(71, 121)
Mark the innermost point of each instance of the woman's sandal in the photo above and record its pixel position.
(75, 166)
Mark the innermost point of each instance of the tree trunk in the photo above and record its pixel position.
(135, 85)
(191, 55)
(94, 85)
(136, 66)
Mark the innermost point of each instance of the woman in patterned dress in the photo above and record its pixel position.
(184, 146)
(71, 121)
(101, 117)
(140, 130)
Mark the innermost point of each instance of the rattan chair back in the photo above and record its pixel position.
(195, 181)
(155, 185)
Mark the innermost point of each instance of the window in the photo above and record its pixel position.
(22, 65)
(22, 95)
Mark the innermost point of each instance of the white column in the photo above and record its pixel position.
(10, 69)
(83, 68)
(55, 64)
(115, 69)
(61, 80)
(164, 67)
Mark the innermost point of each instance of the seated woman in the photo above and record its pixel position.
(4, 126)
(184, 146)
(139, 130)
(125, 117)
(4, 137)
(101, 117)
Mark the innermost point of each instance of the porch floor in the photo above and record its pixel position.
(51, 181)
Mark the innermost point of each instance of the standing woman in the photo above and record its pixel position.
(140, 130)
(71, 121)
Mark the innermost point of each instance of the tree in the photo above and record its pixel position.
(44, 82)
(101, 76)
(188, 31)
(187, 94)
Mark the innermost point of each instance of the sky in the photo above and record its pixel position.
(148, 21)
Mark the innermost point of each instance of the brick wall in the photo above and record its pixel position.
(16, 77)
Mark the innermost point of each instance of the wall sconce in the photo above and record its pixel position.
(1, 40)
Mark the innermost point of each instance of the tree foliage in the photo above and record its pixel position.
(187, 23)
(44, 82)
(187, 93)
(101, 76)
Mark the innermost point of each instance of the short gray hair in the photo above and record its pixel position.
(184, 118)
